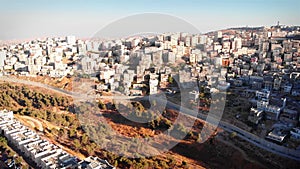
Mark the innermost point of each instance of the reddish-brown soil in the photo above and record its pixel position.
(210, 154)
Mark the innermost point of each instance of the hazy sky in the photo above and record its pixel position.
(21, 19)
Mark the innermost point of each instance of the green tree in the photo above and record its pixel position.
(3, 141)
(46, 101)
(172, 162)
(101, 105)
(116, 163)
(72, 133)
(121, 88)
(50, 116)
(89, 149)
(233, 134)
(163, 164)
(84, 139)
(76, 144)
(170, 79)
(62, 133)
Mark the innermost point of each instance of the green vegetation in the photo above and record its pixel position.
(179, 130)
(155, 122)
(160, 123)
(170, 79)
(101, 105)
(68, 131)
(10, 153)
(14, 96)
(121, 88)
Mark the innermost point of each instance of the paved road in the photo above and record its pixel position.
(75, 95)
(37, 84)
(259, 142)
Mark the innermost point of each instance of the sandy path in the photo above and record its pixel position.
(34, 123)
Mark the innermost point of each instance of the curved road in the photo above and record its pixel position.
(259, 142)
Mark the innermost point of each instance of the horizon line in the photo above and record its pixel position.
(14, 40)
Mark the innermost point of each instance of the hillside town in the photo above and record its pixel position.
(261, 64)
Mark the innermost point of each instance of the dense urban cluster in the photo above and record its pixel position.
(262, 62)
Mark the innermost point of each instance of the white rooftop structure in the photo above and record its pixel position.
(42, 152)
